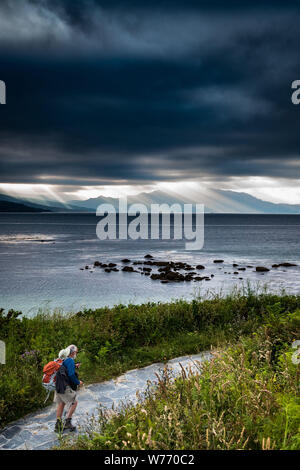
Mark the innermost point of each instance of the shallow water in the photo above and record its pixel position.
(41, 256)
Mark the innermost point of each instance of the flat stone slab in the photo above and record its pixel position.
(36, 431)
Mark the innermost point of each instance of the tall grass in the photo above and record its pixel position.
(113, 340)
(246, 397)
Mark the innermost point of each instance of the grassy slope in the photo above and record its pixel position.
(247, 397)
(112, 341)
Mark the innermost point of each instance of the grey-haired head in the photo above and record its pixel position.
(70, 351)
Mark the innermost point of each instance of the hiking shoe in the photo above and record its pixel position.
(59, 427)
(68, 425)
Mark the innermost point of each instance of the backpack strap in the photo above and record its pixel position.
(48, 395)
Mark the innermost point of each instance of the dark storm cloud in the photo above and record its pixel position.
(118, 91)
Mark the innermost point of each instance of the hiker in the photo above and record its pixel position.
(66, 385)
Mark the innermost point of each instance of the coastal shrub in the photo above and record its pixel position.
(113, 340)
(244, 398)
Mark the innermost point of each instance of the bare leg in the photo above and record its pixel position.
(71, 410)
(60, 410)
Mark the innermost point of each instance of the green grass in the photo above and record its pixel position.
(113, 340)
(246, 397)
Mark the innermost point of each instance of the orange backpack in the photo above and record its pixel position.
(49, 377)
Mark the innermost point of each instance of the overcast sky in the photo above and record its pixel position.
(136, 94)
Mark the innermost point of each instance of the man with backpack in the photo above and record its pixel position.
(66, 385)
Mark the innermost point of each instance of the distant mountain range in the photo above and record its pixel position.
(6, 206)
(215, 201)
(11, 204)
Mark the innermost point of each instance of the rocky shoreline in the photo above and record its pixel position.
(174, 271)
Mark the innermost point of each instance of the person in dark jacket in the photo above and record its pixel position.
(66, 385)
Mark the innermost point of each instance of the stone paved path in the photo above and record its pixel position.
(35, 431)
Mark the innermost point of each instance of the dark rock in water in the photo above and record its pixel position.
(241, 269)
(236, 272)
(241, 278)
(235, 265)
(212, 275)
(125, 260)
(261, 269)
(128, 269)
(198, 278)
(190, 275)
(284, 265)
(164, 269)
(179, 265)
(172, 276)
(249, 266)
(200, 266)
(86, 267)
(146, 274)
(218, 261)
(104, 265)
(112, 265)
(148, 256)
(81, 269)
(164, 281)
(97, 264)
(287, 265)
(116, 270)
(107, 270)
(147, 270)
(169, 276)
(155, 276)
(207, 279)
